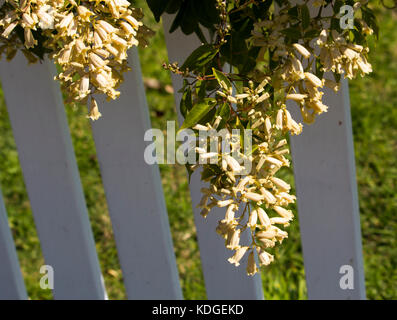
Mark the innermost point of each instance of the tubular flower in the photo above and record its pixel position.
(88, 40)
(285, 60)
(288, 73)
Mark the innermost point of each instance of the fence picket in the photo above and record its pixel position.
(222, 280)
(324, 166)
(134, 193)
(325, 179)
(12, 286)
(52, 179)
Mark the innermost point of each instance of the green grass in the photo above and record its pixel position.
(374, 113)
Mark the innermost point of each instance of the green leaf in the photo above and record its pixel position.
(293, 33)
(221, 77)
(200, 57)
(310, 34)
(338, 4)
(208, 118)
(210, 171)
(189, 170)
(173, 6)
(224, 113)
(198, 112)
(261, 9)
(319, 72)
(178, 21)
(279, 95)
(157, 7)
(240, 126)
(189, 21)
(186, 102)
(305, 14)
(200, 34)
(206, 13)
(293, 12)
(192, 13)
(254, 148)
(201, 89)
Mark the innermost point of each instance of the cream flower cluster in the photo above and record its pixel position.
(256, 203)
(335, 52)
(341, 56)
(88, 40)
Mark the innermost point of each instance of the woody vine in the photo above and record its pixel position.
(256, 57)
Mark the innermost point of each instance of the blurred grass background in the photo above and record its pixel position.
(374, 113)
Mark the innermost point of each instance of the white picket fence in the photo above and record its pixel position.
(324, 174)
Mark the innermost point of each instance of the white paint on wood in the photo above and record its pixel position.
(134, 193)
(12, 286)
(222, 280)
(325, 178)
(52, 179)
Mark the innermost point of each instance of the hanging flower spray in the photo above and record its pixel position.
(256, 55)
(87, 39)
(259, 56)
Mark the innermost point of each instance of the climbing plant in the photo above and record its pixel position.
(258, 60)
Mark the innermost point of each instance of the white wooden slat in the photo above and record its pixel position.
(134, 193)
(12, 286)
(52, 179)
(222, 280)
(325, 178)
